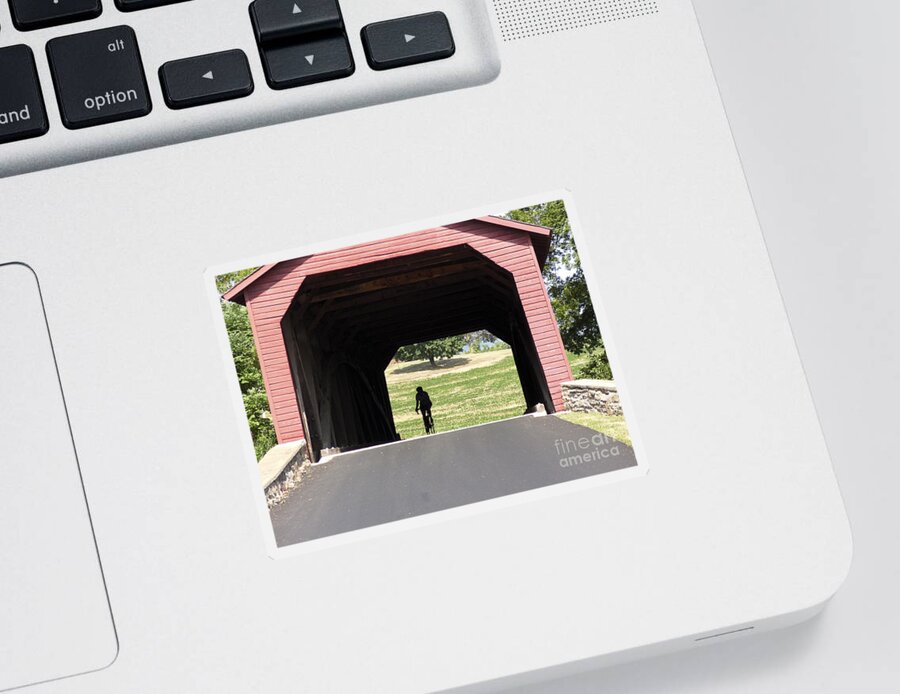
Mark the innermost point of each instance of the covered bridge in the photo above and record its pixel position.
(327, 325)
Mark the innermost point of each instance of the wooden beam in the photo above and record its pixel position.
(406, 278)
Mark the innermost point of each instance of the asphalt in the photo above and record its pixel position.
(432, 473)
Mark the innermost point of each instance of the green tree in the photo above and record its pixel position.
(596, 365)
(564, 278)
(443, 348)
(481, 341)
(246, 363)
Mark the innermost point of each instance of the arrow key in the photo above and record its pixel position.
(274, 20)
(296, 64)
(206, 79)
(408, 40)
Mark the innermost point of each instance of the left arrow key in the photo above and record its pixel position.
(206, 79)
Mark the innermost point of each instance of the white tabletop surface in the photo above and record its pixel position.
(810, 88)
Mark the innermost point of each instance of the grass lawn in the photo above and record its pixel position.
(611, 425)
(479, 395)
(460, 399)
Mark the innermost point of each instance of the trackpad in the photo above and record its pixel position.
(55, 619)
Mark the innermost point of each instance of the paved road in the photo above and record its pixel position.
(378, 485)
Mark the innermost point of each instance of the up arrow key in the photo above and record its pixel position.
(408, 37)
(288, 21)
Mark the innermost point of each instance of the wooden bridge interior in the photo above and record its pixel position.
(343, 328)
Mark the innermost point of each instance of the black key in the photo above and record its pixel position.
(296, 64)
(408, 40)
(37, 14)
(283, 19)
(131, 5)
(99, 77)
(22, 111)
(205, 79)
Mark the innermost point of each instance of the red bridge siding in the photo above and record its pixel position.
(269, 297)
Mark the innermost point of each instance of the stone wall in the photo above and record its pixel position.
(588, 395)
(287, 482)
(282, 469)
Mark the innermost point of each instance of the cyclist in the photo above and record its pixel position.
(423, 405)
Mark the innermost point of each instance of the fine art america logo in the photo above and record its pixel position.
(583, 450)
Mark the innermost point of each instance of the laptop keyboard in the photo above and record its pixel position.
(103, 76)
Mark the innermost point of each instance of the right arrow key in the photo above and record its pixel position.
(408, 40)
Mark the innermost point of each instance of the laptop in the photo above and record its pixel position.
(398, 346)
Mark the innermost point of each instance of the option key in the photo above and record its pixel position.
(99, 77)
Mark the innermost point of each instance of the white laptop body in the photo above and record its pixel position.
(137, 553)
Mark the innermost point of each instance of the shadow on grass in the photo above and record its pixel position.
(438, 365)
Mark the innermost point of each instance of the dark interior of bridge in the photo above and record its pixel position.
(344, 327)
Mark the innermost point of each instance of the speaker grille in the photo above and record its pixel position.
(522, 19)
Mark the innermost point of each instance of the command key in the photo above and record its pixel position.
(22, 111)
